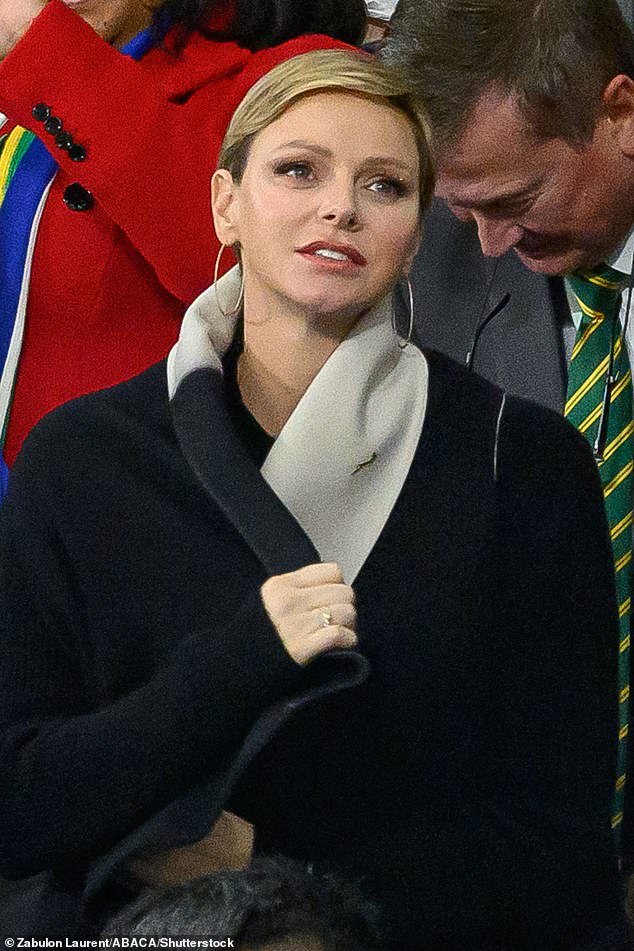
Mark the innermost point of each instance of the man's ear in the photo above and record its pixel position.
(618, 105)
(224, 206)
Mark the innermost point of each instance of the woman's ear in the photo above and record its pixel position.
(225, 206)
(412, 250)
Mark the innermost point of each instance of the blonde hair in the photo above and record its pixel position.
(321, 71)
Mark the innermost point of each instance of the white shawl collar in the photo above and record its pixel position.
(341, 459)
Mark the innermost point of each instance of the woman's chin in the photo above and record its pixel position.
(334, 306)
(333, 313)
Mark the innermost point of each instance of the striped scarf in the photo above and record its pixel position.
(27, 170)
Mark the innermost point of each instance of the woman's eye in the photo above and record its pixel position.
(387, 186)
(299, 171)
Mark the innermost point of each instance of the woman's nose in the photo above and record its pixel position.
(339, 207)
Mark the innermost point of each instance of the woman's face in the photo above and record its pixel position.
(327, 213)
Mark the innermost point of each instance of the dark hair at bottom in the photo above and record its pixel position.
(275, 897)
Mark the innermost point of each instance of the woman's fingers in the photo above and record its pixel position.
(292, 592)
(329, 638)
(312, 610)
(344, 615)
(324, 594)
(320, 573)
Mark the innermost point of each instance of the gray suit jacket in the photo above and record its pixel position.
(455, 287)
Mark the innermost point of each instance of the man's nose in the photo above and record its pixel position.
(496, 235)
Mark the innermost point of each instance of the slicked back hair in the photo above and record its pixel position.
(258, 24)
(555, 56)
(324, 71)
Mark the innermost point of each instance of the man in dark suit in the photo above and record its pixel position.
(455, 287)
(532, 105)
(502, 139)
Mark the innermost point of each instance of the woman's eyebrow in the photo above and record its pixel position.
(301, 143)
(370, 160)
(390, 160)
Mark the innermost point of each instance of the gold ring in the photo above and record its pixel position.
(327, 618)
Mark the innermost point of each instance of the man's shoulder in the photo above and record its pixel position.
(455, 287)
(450, 269)
(472, 404)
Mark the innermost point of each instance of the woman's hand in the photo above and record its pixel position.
(228, 845)
(312, 609)
(15, 19)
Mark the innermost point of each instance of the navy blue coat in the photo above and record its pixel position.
(461, 762)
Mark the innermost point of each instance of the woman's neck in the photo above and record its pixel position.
(283, 353)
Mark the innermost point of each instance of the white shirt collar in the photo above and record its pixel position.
(623, 258)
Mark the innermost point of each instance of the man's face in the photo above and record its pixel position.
(559, 207)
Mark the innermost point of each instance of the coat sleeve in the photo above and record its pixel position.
(151, 129)
(528, 860)
(77, 776)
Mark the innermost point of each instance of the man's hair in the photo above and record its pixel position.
(555, 56)
(274, 898)
(258, 24)
(323, 71)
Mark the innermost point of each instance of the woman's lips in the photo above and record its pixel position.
(333, 254)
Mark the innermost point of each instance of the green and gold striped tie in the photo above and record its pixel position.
(598, 293)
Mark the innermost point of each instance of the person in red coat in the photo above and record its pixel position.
(105, 162)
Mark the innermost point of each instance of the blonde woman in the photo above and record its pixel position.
(306, 574)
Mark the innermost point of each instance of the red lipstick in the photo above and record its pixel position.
(350, 254)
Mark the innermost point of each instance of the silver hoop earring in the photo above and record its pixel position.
(238, 305)
(404, 341)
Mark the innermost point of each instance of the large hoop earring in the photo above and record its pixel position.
(238, 304)
(404, 341)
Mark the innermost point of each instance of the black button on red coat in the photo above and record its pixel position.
(53, 125)
(41, 112)
(77, 152)
(64, 140)
(78, 198)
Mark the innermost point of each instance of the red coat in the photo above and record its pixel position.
(110, 285)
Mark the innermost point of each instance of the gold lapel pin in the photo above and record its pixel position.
(364, 465)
